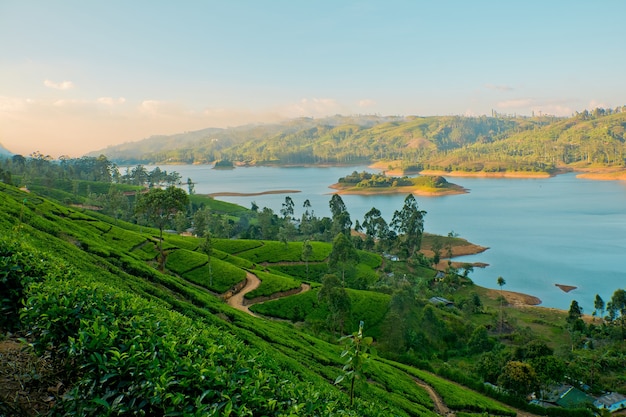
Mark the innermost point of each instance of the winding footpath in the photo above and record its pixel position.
(252, 283)
(236, 301)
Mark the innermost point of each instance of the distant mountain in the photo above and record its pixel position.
(137, 150)
(4, 151)
(206, 145)
(486, 144)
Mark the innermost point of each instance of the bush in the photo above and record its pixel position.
(127, 356)
(20, 266)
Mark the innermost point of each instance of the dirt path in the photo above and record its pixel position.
(252, 283)
(440, 407)
(236, 301)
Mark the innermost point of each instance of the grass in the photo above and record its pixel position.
(217, 206)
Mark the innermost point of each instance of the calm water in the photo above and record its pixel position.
(540, 232)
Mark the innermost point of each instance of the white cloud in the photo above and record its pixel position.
(366, 102)
(110, 101)
(63, 85)
(12, 104)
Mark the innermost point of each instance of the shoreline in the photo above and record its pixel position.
(392, 168)
(409, 189)
(480, 174)
(233, 194)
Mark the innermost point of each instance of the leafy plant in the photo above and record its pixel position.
(356, 354)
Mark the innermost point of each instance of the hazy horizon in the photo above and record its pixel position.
(78, 77)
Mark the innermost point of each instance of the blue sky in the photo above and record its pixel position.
(76, 76)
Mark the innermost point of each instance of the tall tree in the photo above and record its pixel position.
(287, 210)
(338, 301)
(501, 283)
(598, 305)
(618, 304)
(342, 255)
(340, 216)
(409, 224)
(159, 205)
(519, 378)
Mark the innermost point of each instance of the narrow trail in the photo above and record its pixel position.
(440, 407)
(252, 283)
(236, 301)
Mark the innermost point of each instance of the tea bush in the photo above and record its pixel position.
(225, 276)
(127, 356)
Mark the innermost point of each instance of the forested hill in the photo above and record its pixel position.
(438, 142)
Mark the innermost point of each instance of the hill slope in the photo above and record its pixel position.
(126, 338)
(438, 142)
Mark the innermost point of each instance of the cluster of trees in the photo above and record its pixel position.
(37, 168)
(368, 180)
(403, 235)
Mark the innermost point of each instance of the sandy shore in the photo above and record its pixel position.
(506, 174)
(230, 194)
(397, 190)
(515, 298)
(606, 174)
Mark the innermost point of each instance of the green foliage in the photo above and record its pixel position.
(274, 252)
(316, 271)
(132, 357)
(225, 275)
(216, 206)
(20, 266)
(235, 246)
(356, 355)
(181, 261)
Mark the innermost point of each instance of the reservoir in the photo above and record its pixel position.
(541, 232)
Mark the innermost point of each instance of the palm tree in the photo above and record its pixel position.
(501, 283)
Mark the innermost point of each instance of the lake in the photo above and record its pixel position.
(541, 232)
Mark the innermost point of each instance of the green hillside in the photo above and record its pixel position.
(489, 144)
(102, 332)
(126, 339)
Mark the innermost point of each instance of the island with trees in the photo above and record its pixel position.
(371, 183)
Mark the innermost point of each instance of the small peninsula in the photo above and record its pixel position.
(367, 183)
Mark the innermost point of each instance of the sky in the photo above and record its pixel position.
(77, 76)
